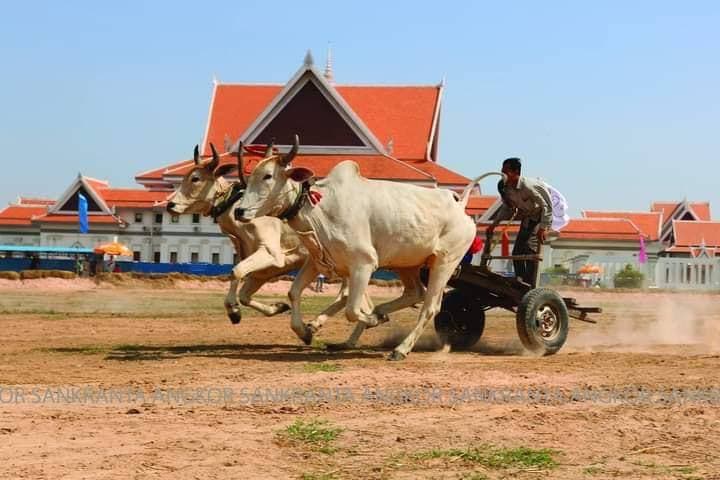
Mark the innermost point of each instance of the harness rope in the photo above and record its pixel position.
(302, 195)
(227, 200)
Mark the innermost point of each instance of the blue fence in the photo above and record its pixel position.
(19, 264)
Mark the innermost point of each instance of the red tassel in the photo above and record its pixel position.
(477, 245)
(505, 244)
(315, 197)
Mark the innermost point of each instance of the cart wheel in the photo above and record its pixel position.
(542, 321)
(461, 320)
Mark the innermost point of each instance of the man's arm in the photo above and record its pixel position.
(504, 213)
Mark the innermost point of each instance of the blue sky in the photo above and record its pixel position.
(616, 104)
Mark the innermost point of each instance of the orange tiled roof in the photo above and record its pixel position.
(404, 114)
(378, 167)
(20, 215)
(131, 197)
(479, 204)
(96, 184)
(694, 233)
(701, 209)
(35, 201)
(600, 229)
(649, 223)
(73, 218)
(440, 173)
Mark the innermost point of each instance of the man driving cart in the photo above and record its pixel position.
(530, 202)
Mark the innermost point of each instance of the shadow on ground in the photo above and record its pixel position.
(271, 353)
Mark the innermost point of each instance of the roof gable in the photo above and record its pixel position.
(327, 127)
(308, 74)
(400, 120)
(696, 233)
(68, 201)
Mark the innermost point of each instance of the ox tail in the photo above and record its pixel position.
(466, 193)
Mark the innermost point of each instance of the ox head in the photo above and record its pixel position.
(200, 185)
(273, 186)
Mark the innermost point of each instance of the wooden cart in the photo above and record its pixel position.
(542, 315)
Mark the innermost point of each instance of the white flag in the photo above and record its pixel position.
(559, 208)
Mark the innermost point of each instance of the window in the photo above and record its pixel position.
(173, 257)
(158, 218)
(175, 219)
(136, 256)
(235, 258)
(196, 218)
(156, 257)
(194, 257)
(138, 217)
(215, 258)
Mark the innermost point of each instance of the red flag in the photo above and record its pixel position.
(505, 251)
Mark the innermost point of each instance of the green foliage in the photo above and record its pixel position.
(321, 367)
(628, 277)
(494, 457)
(318, 432)
(318, 476)
(557, 270)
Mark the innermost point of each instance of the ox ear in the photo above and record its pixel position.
(224, 169)
(299, 174)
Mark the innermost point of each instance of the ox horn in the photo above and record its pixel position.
(196, 155)
(241, 167)
(293, 151)
(269, 148)
(215, 159)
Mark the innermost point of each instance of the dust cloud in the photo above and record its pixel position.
(675, 320)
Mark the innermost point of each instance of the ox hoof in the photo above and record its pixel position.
(235, 317)
(307, 336)
(396, 356)
(281, 307)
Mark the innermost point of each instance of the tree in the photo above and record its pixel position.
(628, 277)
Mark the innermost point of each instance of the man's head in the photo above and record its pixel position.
(512, 167)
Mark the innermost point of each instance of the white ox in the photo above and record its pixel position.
(266, 246)
(354, 225)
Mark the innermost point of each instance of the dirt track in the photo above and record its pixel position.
(416, 419)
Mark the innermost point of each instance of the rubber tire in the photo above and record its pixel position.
(526, 321)
(461, 320)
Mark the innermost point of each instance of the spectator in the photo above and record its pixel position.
(110, 266)
(78, 266)
(93, 265)
(34, 262)
(320, 283)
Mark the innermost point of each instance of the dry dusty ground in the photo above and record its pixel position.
(385, 420)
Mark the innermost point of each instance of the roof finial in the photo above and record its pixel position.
(442, 81)
(309, 59)
(215, 79)
(328, 65)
